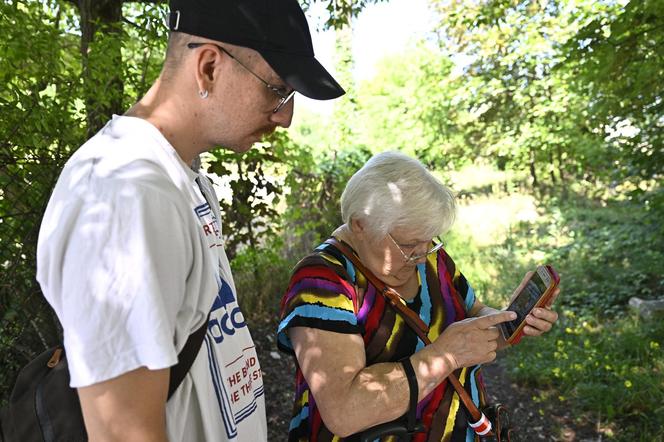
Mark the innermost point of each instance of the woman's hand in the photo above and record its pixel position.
(472, 341)
(541, 319)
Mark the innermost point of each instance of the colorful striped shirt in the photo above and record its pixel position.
(322, 294)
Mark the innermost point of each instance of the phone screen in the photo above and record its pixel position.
(524, 302)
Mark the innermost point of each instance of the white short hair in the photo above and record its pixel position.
(393, 190)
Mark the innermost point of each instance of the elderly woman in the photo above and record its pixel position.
(353, 348)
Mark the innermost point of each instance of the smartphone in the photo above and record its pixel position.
(535, 290)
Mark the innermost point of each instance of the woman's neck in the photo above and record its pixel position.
(410, 288)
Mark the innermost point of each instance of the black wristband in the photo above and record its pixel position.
(411, 414)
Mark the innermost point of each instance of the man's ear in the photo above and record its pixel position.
(208, 61)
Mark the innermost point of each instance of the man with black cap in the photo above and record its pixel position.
(130, 251)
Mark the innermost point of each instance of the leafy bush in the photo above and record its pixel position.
(599, 361)
(615, 251)
(313, 203)
(261, 277)
(610, 369)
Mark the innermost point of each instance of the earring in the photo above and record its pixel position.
(203, 94)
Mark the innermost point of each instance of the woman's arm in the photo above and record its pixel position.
(352, 397)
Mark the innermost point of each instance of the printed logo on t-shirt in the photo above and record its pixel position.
(231, 319)
(239, 383)
(234, 369)
(210, 224)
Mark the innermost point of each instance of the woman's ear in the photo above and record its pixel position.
(361, 231)
(357, 226)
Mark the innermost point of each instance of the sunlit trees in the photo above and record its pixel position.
(564, 94)
(618, 59)
(67, 66)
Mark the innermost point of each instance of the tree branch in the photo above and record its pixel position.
(130, 23)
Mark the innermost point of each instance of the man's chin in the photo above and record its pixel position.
(243, 147)
(249, 141)
(266, 132)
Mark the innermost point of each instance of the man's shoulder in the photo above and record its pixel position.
(122, 146)
(124, 158)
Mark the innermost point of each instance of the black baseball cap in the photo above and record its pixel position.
(277, 29)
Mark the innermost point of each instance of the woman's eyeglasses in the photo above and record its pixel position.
(411, 258)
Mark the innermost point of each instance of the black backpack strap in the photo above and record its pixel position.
(186, 357)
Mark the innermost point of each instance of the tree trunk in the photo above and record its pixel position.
(552, 172)
(101, 32)
(561, 172)
(533, 170)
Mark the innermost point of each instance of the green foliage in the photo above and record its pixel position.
(261, 277)
(617, 59)
(340, 12)
(144, 48)
(611, 369)
(409, 106)
(344, 125)
(279, 189)
(546, 87)
(616, 251)
(313, 210)
(40, 127)
(605, 253)
(255, 185)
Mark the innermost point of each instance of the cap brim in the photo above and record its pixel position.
(304, 74)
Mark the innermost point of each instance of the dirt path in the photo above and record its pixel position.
(535, 421)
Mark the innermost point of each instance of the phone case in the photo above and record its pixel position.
(544, 300)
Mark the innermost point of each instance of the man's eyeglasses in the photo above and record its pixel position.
(284, 96)
(410, 258)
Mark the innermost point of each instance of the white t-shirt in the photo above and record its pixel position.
(131, 257)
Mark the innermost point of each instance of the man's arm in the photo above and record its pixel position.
(131, 407)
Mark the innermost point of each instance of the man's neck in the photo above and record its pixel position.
(165, 110)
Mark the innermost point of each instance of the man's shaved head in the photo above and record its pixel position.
(177, 51)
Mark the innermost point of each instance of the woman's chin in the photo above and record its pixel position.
(400, 277)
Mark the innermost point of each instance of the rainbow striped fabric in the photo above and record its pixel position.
(322, 295)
